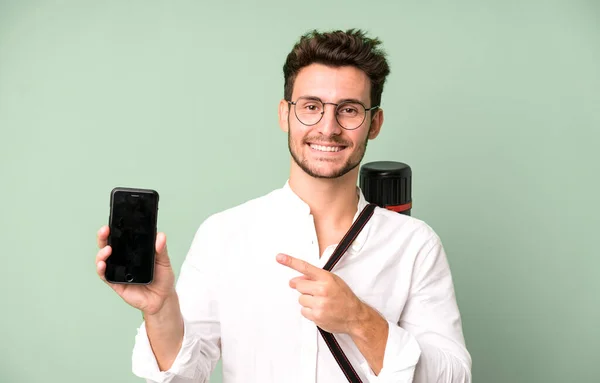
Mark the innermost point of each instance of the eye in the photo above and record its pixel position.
(310, 107)
(348, 110)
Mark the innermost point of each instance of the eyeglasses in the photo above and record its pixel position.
(349, 114)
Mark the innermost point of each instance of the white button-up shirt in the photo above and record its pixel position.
(237, 304)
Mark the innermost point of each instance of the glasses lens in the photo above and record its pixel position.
(309, 111)
(350, 115)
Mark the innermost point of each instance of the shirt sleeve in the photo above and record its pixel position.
(197, 291)
(427, 344)
(401, 355)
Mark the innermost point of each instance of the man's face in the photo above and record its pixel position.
(326, 150)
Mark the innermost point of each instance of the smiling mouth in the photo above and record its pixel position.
(327, 148)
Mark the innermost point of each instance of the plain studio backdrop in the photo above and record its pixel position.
(494, 104)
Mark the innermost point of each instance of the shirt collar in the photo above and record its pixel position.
(294, 202)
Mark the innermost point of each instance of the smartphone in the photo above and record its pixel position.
(132, 236)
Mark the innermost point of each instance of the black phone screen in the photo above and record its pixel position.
(132, 236)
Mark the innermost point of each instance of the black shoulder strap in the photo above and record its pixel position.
(344, 244)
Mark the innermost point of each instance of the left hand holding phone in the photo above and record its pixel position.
(158, 300)
(148, 298)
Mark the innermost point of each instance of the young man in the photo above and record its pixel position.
(252, 289)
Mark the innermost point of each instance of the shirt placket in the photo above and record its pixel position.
(309, 329)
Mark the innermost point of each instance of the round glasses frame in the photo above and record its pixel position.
(337, 107)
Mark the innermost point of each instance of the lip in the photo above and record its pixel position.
(342, 148)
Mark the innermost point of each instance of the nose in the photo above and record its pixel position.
(329, 125)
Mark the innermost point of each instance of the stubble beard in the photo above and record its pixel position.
(353, 161)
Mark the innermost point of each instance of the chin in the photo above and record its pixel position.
(327, 172)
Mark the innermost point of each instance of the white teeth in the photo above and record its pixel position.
(326, 148)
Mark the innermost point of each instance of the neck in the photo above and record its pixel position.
(331, 200)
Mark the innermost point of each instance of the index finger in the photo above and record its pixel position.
(102, 236)
(300, 266)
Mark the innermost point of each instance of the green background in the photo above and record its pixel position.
(494, 104)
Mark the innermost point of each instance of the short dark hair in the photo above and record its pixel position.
(338, 48)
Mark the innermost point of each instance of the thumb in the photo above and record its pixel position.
(162, 256)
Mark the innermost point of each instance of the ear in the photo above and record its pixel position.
(376, 122)
(284, 114)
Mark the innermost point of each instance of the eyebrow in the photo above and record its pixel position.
(338, 102)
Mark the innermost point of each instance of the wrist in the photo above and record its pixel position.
(366, 319)
(360, 322)
(166, 331)
(370, 334)
(167, 310)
